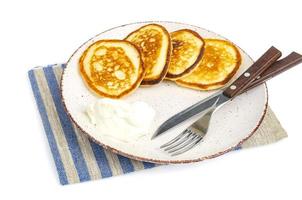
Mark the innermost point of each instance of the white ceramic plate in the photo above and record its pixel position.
(230, 125)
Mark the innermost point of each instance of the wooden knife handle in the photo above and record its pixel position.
(277, 68)
(263, 63)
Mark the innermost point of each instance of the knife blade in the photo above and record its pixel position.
(240, 84)
(216, 99)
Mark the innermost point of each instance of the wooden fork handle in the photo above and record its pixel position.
(277, 68)
(262, 64)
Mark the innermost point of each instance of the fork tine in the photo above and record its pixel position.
(183, 140)
(187, 148)
(182, 134)
(183, 145)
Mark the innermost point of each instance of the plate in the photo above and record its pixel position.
(230, 125)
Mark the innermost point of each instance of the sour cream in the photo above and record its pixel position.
(121, 120)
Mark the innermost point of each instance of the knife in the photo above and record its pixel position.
(255, 75)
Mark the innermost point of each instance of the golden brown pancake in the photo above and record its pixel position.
(187, 50)
(154, 43)
(112, 68)
(219, 63)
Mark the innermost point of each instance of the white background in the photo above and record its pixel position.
(39, 32)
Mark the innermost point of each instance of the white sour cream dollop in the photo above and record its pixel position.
(121, 120)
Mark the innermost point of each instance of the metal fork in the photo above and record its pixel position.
(190, 137)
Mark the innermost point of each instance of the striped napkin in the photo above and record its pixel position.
(78, 159)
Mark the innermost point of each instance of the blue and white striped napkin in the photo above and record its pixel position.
(78, 159)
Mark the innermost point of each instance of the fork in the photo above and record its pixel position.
(190, 137)
(194, 134)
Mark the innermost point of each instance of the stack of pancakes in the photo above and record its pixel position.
(150, 54)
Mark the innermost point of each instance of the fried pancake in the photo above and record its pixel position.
(112, 68)
(187, 50)
(154, 43)
(220, 62)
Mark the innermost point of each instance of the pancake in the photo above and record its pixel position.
(187, 50)
(220, 62)
(112, 68)
(154, 43)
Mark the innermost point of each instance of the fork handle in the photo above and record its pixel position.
(263, 63)
(277, 68)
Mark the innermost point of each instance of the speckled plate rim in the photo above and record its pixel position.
(114, 150)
